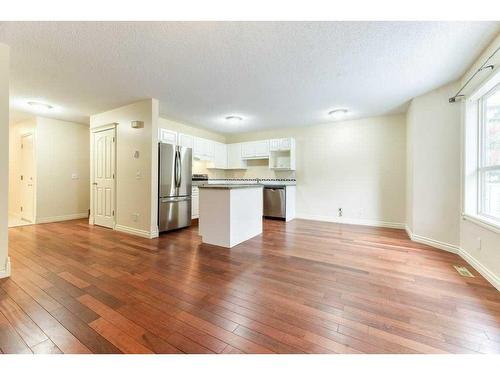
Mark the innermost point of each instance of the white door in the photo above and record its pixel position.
(104, 178)
(27, 178)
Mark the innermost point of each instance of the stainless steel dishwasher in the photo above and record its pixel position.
(275, 201)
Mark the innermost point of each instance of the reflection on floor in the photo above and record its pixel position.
(15, 221)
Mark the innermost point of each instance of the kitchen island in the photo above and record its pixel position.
(230, 214)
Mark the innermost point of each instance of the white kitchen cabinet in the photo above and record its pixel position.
(255, 150)
(234, 156)
(185, 140)
(203, 149)
(281, 144)
(167, 136)
(220, 155)
(282, 154)
(198, 148)
(209, 149)
(195, 202)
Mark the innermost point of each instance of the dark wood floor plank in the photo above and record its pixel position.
(301, 286)
(10, 341)
(46, 347)
(24, 326)
(43, 319)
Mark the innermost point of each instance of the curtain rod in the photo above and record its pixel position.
(453, 99)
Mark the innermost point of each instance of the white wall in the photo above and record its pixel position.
(16, 132)
(433, 186)
(4, 159)
(358, 166)
(62, 150)
(485, 259)
(135, 195)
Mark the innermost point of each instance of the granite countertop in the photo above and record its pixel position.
(230, 186)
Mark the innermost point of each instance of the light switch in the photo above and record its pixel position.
(138, 175)
(74, 176)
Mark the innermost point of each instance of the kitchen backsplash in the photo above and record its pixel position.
(256, 169)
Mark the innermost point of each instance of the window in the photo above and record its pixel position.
(489, 155)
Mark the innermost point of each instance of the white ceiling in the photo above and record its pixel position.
(274, 74)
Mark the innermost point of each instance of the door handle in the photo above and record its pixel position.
(94, 183)
(180, 170)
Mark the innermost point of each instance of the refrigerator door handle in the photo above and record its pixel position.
(174, 199)
(179, 169)
(176, 169)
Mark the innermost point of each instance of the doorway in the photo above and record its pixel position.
(27, 178)
(103, 177)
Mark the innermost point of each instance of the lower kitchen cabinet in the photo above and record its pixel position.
(195, 202)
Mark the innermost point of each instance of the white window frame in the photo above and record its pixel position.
(482, 168)
(472, 157)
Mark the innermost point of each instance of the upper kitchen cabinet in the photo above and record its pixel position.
(281, 144)
(255, 150)
(203, 149)
(234, 156)
(282, 154)
(167, 136)
(220, 155)
(185, 140)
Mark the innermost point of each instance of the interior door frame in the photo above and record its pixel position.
(94, 130)
(35, 173)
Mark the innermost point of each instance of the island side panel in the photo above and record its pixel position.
(246, 214)
(290, 203)
(214, 217)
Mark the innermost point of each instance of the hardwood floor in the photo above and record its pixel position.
(301, 287)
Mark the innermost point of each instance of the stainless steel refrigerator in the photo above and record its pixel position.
(174, 204)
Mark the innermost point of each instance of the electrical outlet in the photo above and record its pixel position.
(135, 217)
(74, 176)
(340, 212)
(138, 175)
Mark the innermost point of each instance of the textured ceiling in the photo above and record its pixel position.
(274, 74)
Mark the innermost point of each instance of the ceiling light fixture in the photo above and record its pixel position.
(234, 119)
(40, 106)
(338, 113)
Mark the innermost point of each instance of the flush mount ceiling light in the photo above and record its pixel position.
(234, 119)
(338, 113)
(40, 106)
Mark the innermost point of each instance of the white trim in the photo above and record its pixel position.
(482, 222)
(344, 220)
(479, 267)
(485, 86)
(135, 232)
(53, 219)
(430, 242)
(5, 272)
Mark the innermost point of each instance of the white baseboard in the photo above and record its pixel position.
(5, 272)
(479, 267)
(344, 220)
(135, 232)
(53, 219)
(431, 242)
